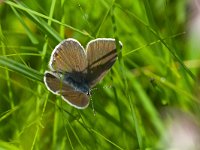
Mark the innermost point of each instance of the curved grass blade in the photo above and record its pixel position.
(39, 21)
(20, 68)
(26, 28)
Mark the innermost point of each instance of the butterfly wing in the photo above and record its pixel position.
(101, 55)
(75, 98)
(68, 56)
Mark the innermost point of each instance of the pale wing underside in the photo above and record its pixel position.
(101, 55)
(68, 56)
(56, 86)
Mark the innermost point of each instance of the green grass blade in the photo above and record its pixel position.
(28, 31)
(21, 69)
(34, 14)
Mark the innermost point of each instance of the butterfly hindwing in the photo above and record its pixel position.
(55, 84)
(75, 98)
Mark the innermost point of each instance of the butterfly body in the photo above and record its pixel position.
(74, 70)
(78, 81)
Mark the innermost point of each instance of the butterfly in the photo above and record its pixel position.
(75, 70)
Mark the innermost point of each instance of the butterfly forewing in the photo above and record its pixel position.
(68, 56)
(55, 84)
(101, 55)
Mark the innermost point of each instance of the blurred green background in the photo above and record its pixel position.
(149, 99)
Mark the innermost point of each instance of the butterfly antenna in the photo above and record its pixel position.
(93, 89)
(107, 86)
(94, 112)
(89, 93)
(104, 87)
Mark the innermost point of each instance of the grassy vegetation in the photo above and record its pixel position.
(154, 83)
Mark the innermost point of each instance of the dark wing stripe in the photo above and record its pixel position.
(101, 54)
